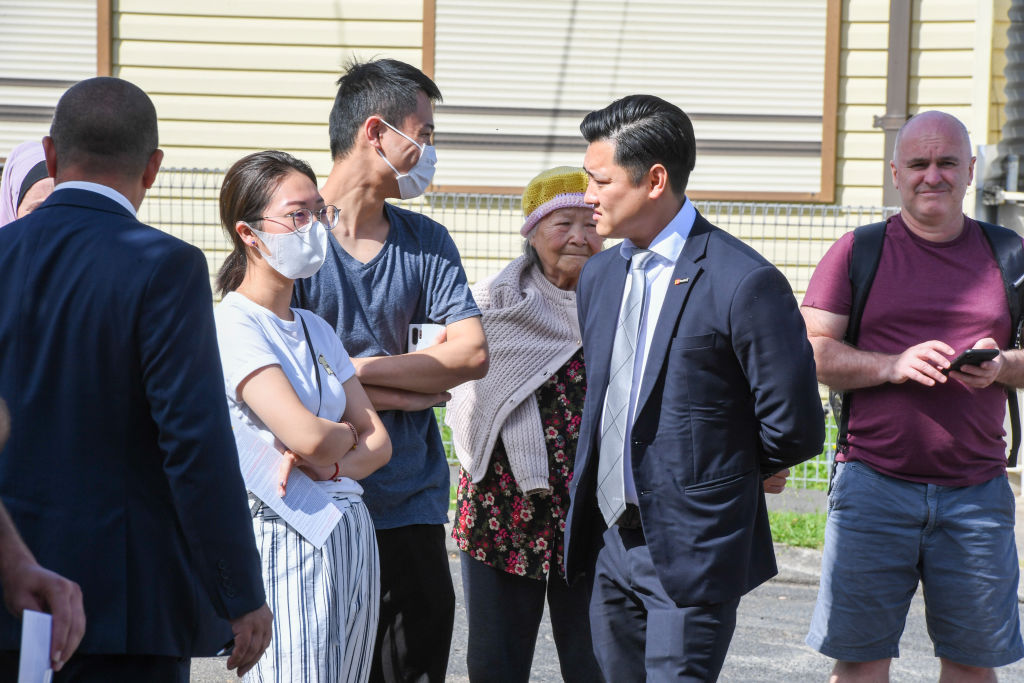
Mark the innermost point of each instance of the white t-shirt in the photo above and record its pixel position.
(252, 337)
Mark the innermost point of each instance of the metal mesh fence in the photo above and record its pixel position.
(486, 229)
(486, 226)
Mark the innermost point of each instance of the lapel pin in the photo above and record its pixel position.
(681, 281)
(327, 366)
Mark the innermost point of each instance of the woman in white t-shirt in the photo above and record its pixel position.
(289, 378)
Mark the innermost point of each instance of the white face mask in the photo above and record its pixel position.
(415, 182)
(296, 254)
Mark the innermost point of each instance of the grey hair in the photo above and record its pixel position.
(532, 257)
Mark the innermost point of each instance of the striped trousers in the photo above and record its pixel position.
(325, 600)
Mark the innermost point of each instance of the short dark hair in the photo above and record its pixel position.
(247, 189)
(384, 87)
(105, 126)
(646, 130)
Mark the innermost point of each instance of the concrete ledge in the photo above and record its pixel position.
(797, 565)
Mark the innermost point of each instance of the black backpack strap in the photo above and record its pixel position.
(1009, 252)
(865, 254)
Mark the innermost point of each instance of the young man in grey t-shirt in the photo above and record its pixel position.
(386, 268)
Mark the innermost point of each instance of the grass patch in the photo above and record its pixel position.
(446, 434)
(803, 530)
(812, 474)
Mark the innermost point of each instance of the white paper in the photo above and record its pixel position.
(34, 664)
(305, 506)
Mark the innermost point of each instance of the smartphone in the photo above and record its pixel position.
(422, 335)
(971, 357)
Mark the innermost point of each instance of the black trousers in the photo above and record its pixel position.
(417, 606)
(638, 628)
(86, 668)
(504, 613)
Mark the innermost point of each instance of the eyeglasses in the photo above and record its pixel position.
(302, 219)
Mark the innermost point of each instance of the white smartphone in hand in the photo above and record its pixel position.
(423, 335)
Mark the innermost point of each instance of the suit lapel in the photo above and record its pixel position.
(685, 274)
(604, 315)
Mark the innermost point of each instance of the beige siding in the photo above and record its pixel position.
(306, 9)
(997, 94)
(947, 38)
(744, 70)
(45, 45)
(861, 97)
(229, 78)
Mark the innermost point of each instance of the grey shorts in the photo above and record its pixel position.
(884, 535)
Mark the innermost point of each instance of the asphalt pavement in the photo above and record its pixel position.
(768, 645)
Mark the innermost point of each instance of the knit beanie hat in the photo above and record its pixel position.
(556, 188)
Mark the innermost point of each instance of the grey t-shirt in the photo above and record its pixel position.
(417, 277)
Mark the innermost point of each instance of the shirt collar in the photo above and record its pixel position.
(667, 244)
(105, 190)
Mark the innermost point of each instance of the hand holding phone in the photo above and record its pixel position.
(971, 357)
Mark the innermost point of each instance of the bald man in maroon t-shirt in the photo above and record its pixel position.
(920, 492)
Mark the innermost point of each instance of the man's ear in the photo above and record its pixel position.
(152, 168)
(657, 181)
(372, 130)
(50, 151)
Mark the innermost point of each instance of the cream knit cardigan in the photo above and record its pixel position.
(532, 330)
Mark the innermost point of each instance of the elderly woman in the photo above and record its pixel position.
(25, 182)
(515, 434)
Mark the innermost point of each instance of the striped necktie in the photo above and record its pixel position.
(611, 494)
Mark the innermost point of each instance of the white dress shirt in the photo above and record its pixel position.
(666, 247)
(108, 192)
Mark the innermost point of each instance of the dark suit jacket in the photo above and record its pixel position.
(729, 394)
(121, 470)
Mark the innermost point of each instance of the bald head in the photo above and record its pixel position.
(104, 127)
(928, 121)
(932, 167)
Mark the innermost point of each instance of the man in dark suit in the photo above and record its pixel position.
(121, 471)
(26, 585)
(700, 384)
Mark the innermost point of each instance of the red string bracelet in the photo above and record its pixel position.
(337, 471)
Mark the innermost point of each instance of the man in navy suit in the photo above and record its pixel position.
(26, 585)
(700, 384)
(121, 471)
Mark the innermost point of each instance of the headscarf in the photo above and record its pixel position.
(21, 164)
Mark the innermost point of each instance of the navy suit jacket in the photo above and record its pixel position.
(728, 395)
(121, 471)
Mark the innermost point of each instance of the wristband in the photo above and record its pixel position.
(355, 433)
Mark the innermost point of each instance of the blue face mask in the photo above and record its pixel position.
(415, 182)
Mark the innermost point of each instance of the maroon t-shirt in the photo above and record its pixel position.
(948, 434)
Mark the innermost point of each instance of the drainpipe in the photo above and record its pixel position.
(1002, 191)
(897, 87)
(1012, 141)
